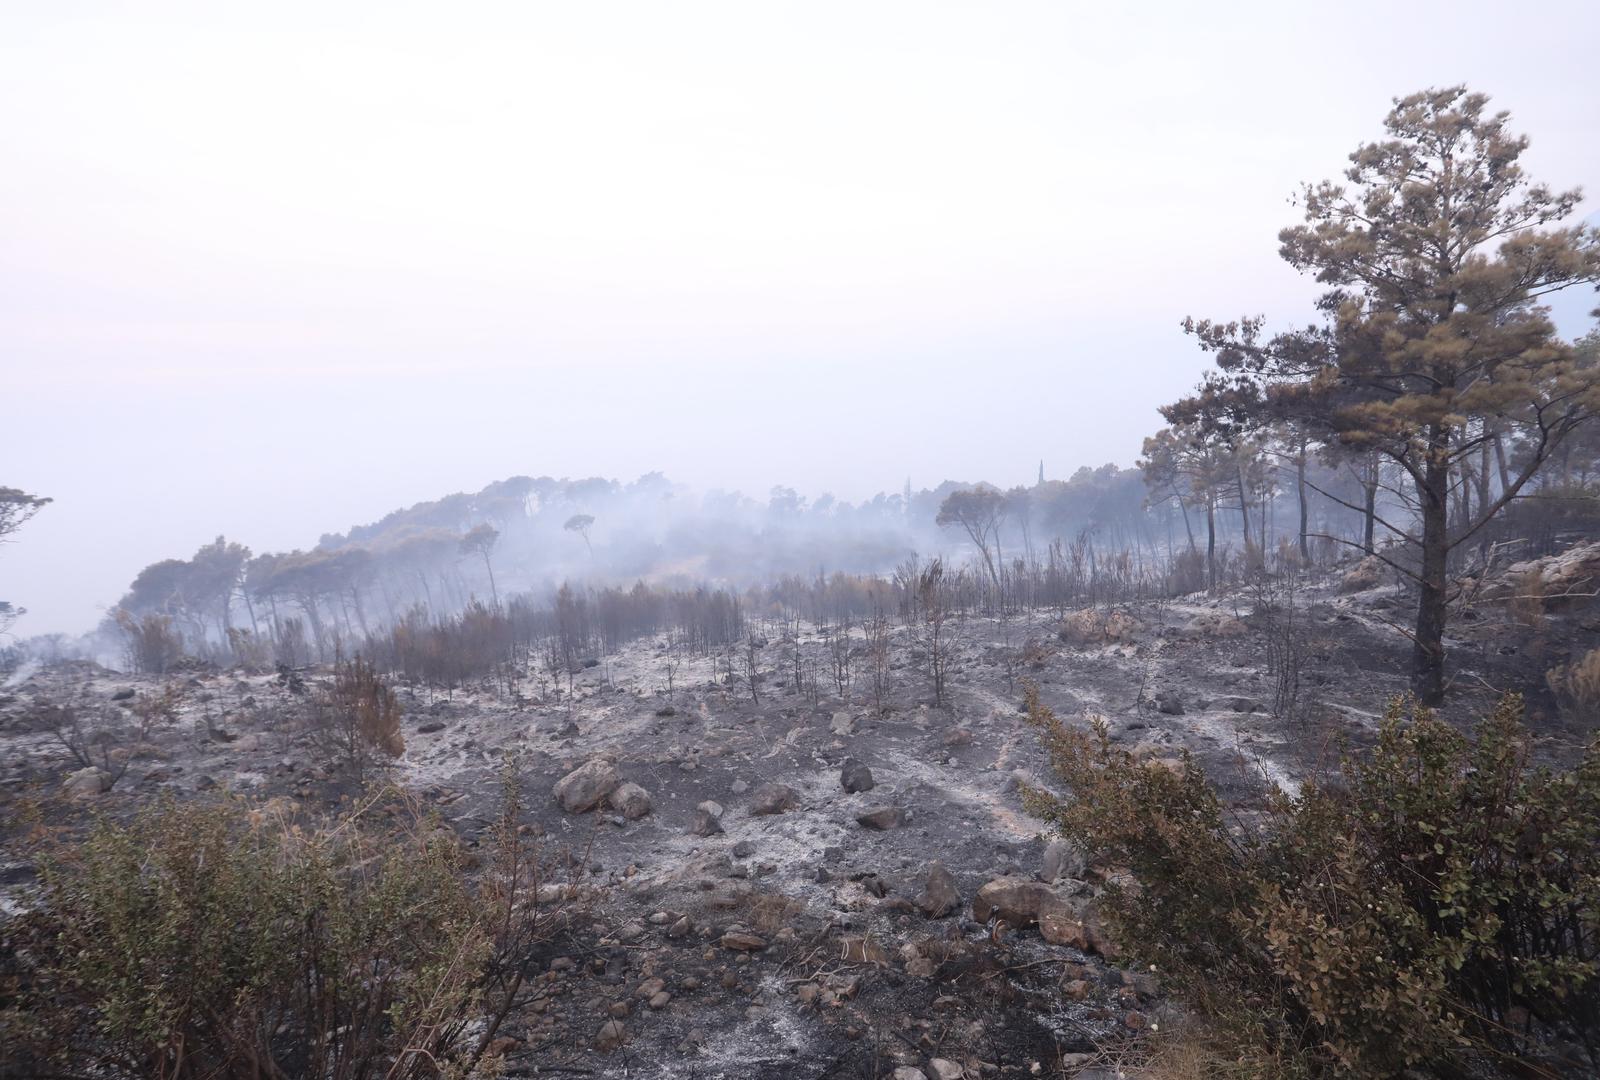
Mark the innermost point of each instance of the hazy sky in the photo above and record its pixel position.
(270, 270)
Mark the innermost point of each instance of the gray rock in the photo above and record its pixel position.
(612, 1034)
(89, 783)
(1062, 859)
(882, 818)
(630, 800)
(939, 896)
(773, 799)
(587, 786)
(705, 824)
(854, 777)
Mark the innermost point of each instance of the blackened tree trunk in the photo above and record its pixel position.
(1433, 493)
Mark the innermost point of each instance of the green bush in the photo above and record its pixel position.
(1438, 900)
(212, 941)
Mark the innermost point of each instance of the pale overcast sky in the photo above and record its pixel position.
(269, 270)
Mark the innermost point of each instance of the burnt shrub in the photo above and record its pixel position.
(1435, 900)
(236, 942)
(202, 941)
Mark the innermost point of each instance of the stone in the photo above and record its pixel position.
(1169, 704)
(882, 818)
(1062, 859)
(907, 1072)
(681, 929)
(1060, 928)
(430, 727)
(773, 799)
(630, 800)
(705, 824)
(842, 724)
(945, 1069)
(938, 897)
(744, 849)
(659, 1001)
(1017, 900)
(87, 783)
(854, 777)
(612, 1034)
(710, 807)
(587, 786)
(743, 941)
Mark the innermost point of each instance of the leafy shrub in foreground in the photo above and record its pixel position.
(1439, 899)
(212, 941)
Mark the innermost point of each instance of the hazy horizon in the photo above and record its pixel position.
(274, 276)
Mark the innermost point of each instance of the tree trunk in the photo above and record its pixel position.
(1244, 513)
(1369, 512)
(1300, 490)
(1211, 544)
(1433, 493)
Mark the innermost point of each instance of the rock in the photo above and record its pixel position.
(921, 967)
(907, 1072)
(1169, 704)
(1058, 927)
(1062, 859)
(939, 896)
(430, 727)
(612, 1034)
(88, 783)
(739, 787)
(854, 777)
(659, 1001)
(743, 941)
(773, 799)
(842, 724)
(630, 800)
(854, 949)
(681, 929)
(710, 807)
(666, 710)
(125, 694)
(587, 786)
(882, 818)
(945, 1069)
(705, 824)
(1017, 900)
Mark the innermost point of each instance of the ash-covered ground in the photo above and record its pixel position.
(751, 880)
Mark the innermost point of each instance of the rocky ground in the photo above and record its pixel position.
(799, 886)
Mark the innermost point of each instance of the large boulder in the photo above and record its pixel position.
(774, 799)
(855, 776)
(585, 787)
(630, 800)
(1018, 901)
(1062, 859)
(88, 783)
(1562, 579)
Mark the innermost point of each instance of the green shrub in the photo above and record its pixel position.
(1437, 900)
(219, 942)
